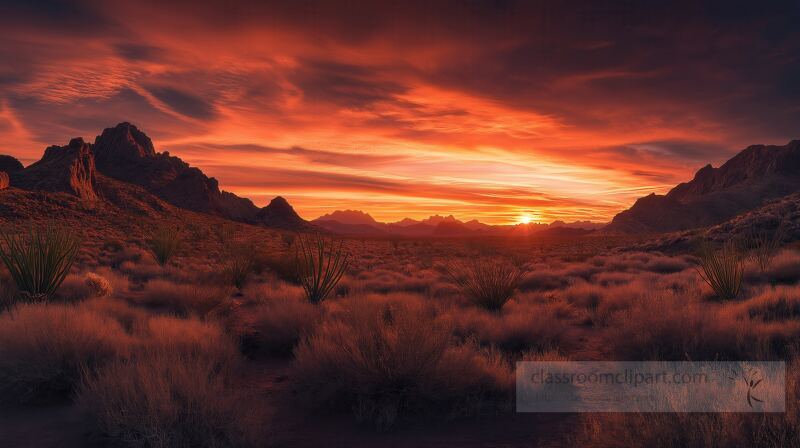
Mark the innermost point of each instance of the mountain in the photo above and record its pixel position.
(359, 223)
(281, 215)
(747, 181)
(127, 155)
(69, 169)
(349, 217)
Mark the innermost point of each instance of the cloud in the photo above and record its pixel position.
(485, 108)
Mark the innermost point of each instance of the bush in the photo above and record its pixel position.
(164, 243)
(39, 261)
(488, 282)
(167, 400)
(321, 264)
(175, 389)
(98, 285)
(44, 349)
(181, 299)
(389, 361)
(722, 269)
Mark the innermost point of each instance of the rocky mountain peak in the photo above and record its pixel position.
(122, 142)
(69, 169)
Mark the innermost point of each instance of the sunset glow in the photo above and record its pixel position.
(360, 106)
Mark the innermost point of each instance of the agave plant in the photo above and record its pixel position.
(489, 282)
(722, 269)
(39, 260)
(321, 264)
(164, 244)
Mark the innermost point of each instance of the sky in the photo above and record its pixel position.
(495, 110)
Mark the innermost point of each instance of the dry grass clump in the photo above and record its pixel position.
(175, 390)
(320, 266)
(44, 349)
(39, 260)
(488, 282)
(722, 269)
(387, 361)
(181, 299)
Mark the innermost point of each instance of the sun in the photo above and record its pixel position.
(525, 219)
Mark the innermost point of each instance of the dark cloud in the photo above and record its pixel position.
(344, 85)
(184, 102)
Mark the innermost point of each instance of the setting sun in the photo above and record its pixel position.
(526, 218)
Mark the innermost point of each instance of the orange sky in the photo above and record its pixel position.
(491, 111)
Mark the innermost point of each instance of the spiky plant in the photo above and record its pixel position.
(238, 267)
(489, 282)
(722, 268)
(765, 245)
(39, 260)
(164, 243)
(321, 264)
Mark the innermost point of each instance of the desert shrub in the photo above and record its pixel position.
(488, 282)
(277, 325)
(164, 243)
(39, 260)
(181, 299)
(321, 264)
(175, 389)
(387, 361)
(44, 349)
(237, 268)
(722, 269)
(672, 328)
(518, 328)
(774, 304)
(98, 285)
(165, 399)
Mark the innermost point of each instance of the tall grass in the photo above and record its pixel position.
(39, 260)
(321, 264)
(489, 282)
(164, 243)
(722, 269)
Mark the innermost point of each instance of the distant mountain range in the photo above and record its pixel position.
(122, 168)
(356, 222)
(755, 176)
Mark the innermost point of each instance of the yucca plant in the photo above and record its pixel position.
(39, 260)
(489, 282)
(765, 245)
(164, 243)
(238, 267)
(321, 264)
(722, 268)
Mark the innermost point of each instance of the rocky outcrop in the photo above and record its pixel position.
(10, 164)
(127, 154)
(69, 169)
(754, 176)
(282, 215)
(5, 180)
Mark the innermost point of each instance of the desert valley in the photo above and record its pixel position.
(446, 224)
(186, 316)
